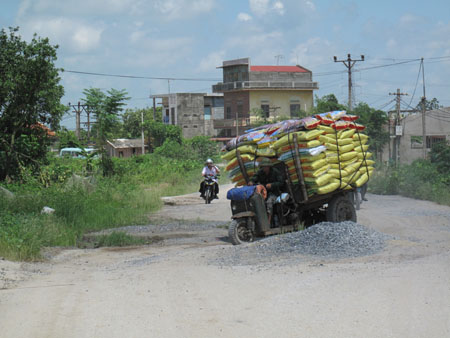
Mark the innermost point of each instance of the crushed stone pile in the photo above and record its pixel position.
(323, 240)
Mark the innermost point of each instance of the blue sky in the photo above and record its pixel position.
(190, 38)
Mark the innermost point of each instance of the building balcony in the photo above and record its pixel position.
(230, 86)
(231, 123)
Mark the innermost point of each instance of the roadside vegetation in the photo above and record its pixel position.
(131, 190)
(422, 179)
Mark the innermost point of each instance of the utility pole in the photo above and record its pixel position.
(237, 125)
(424, 131)
(278, 57)
(142, 131)
(349, 63)
(398, 132)
(78, 109)
(154, 108)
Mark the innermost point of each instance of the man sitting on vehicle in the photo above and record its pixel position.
(210, 170)
(272, 180)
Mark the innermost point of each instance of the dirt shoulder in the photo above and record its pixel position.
(175, 288)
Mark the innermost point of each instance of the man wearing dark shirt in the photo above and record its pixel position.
(271, 179)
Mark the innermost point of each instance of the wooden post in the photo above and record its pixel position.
(298, 167)
(241, 165)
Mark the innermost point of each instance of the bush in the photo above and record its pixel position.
(422, 179)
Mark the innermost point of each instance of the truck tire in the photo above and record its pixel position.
(340, 209)
(239, 232)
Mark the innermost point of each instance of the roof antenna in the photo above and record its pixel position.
(278, 57)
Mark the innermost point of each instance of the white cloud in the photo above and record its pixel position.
(278, 7)
(310, 4)
(244, 17)
(391, 43)
(259, 7)
(211, 61)
(72, 7)
(71, 34)
(179, 9)
(408, 19)
(315, 51)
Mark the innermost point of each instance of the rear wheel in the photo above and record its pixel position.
(341, 209)
(239, 232)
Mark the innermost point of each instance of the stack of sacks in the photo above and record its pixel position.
(332, 151)
(251, 156)
(346, 149)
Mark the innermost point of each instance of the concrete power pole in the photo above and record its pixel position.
(142, 132)
(349, 63)
(398, 131)
(424, 130)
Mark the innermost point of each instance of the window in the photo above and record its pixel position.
(416, 142)
(295, 109)
(240, 108)
(134, 151)
(172, 113)
(432, 140)
(228, 113)
(207, 111)
(194, 126)
(120, 153)
(228, 132)
(266, 110)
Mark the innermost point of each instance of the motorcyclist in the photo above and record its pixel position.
(210, 170)
(272, 180)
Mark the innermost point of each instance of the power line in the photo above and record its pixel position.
(141, 77)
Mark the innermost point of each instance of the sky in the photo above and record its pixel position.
(188, 39)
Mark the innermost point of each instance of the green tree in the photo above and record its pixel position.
(429, 105)
(106, 109)
(30, 96)
(159, 132)
(132, 120)
(67, 139)
(327, 103)
(375, 122)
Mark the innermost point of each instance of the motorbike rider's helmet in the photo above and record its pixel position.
(209, 161)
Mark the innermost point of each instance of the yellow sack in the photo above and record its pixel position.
(368, 162)
(330, 187)
(247, 149)
(316, 173)
(326, 129)
(358, 143)
(336, 173)
(301, 136)
(331, 139)
(355, 177)
(234, 162)
(342, 149)
(362, 148)
(365, 169)
(318, 181)
(305, 159)
(240, 176)
(363, 179)
(266, 152)
(367, 154)
(360, 136)
(347, 133)
(314, 165)
(333, 158)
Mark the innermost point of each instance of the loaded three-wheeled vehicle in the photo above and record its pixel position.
(293, 209)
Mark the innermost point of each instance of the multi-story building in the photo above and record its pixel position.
(270, 90)
(193, 112)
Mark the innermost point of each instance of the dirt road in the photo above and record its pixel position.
(174, 289)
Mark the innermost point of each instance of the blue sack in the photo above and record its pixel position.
(241, 194)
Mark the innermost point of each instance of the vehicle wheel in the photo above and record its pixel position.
(239, 233)
(207, 195)
(357, 195)
(340, 209)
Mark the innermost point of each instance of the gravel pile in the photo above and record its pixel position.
(324, 240)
